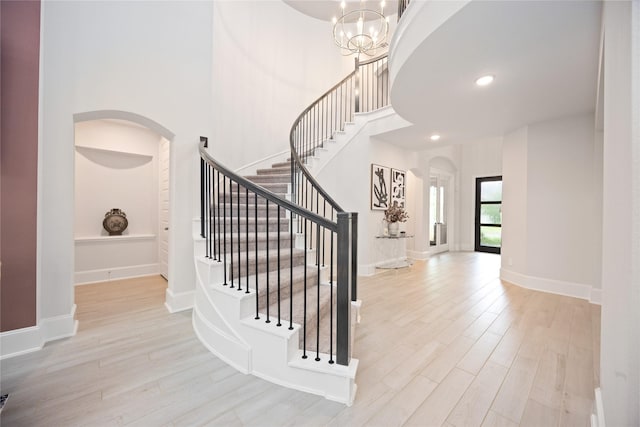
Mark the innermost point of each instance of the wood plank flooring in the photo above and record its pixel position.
(443, 342)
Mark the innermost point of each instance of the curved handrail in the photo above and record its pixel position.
(268, 195)
(334, 87)
(229, 230)
(354, 81)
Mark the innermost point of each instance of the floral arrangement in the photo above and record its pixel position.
(395, 213)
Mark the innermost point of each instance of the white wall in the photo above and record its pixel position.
(116, 166)
(620, 339)
(514, 201)
(550, 207)
(356, 196)
(477, 159)
(148, 58)
(271, 62)
(561, 200)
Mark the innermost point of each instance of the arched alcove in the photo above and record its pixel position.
(121, 161)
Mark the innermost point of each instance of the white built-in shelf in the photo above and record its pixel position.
(104, 150)
(107, 239)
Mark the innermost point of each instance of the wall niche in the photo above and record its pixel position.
(116, 166)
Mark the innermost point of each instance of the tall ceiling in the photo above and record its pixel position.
(327, 9)
(543, 54)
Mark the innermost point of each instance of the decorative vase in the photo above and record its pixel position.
(115, 222)
(393, 228)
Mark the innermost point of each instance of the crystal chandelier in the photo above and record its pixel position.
(361, 30)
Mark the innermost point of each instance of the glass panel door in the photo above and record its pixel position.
(488, 226)
(442, 217)
(433, 209)
(438, 212)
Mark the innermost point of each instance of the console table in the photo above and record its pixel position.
(398, 255)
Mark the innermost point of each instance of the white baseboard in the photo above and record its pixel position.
(597, 418)
(559, 287)
(466, 247)
(106, 274)
(54, 328)
(366, 269)
(418, 255)
(20, 341)
(596, 296)
(178, 301)
(27, 340)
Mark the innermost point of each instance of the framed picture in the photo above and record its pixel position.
(398, 187)
(380, 177)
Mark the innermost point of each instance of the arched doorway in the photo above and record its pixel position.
(121, 161)
(441, 207)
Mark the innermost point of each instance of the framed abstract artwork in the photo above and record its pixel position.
(398, 187)
(380, 185)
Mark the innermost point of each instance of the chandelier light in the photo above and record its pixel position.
(361, 30)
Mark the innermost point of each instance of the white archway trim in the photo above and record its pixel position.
(174, 301)
(124, 115)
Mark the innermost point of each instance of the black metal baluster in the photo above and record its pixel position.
(246, 236)
(232, 265)
(224, 220)
(291, 239)
(318, 237)
(331, 299)
(218, 216)
(206, 203)
(212, 225)
(340, 97)
(278, 324)
(325, 132)
(255, 207)
(371, 78)
(267, 269)
(311, 209)
(239, 234)
(324, 234)
(318, 299)
(331, 253)
(202, 196)
(304, 319)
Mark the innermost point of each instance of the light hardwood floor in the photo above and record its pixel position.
(443, 342)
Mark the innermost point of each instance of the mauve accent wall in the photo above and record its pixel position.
(19, 68)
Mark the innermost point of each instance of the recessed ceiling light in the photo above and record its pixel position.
(434, 137)
(485, 80)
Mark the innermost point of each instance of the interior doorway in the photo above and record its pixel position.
(439, 211)
(163, 208)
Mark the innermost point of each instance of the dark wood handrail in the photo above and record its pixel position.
(295, 156)
(251, 186)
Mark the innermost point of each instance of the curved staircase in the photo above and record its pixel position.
(276, 256)
(263, 302)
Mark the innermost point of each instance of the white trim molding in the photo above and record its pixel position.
(366, 269)
(418, 255)
(33, 338)
(178, 301)
(107, 274)
(559, 287)
(597, 418)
